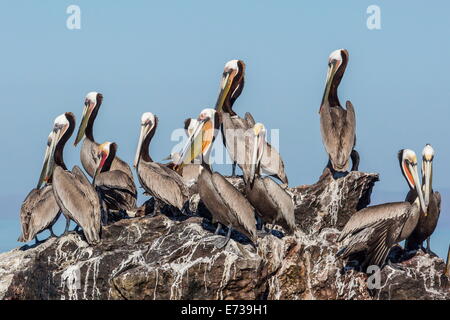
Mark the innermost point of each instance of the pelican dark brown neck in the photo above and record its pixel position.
(89, 132)
(332, 96)
(145, 154)
(59, 149)
(112, 154)
(235, 89)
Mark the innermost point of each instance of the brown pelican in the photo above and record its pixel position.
(115, 188)
(39, 210)
(226, 204)
(338, 125)
(74, 193)
(375, 229)
(233, 127)
(89, 149)
(157, 179)
(427, 221)
(272, 203)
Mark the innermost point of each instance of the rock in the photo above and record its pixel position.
(332, 201)
(174, 257)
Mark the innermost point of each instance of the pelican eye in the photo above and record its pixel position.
(411, 162)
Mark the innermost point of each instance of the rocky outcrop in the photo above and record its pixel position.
(331, 202)
(168, 257)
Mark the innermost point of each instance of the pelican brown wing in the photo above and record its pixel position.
(163, 183)
(374, 230)
(212, 199)
(370, 216)
(348, 132)
(375, 240)
(241, 213)
(234, 132)
(272, 163)
(250, 120)
(78, 200)
(283, 202)
(338, 127)
(426, 224)
(76, 170)
(39, 211)
(117, 189)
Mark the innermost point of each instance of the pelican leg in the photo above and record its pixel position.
(104, 217)
(233, 170)
(36, 240)
(52, 234)
(217, 229)
(428, 250)
(259, 223)
(355, 160)
(221, 246)
(66, 230)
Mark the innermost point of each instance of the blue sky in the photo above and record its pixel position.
(167, 58)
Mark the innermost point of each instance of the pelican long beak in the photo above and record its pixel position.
(56, 136)
(417, 184)
(143, 134)
(225, 86)
(427, 169)
(84, 121)
(254, 159)
(330, 75)
(43, 177)
(195, 145)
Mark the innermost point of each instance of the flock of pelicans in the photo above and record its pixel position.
(370, 232)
